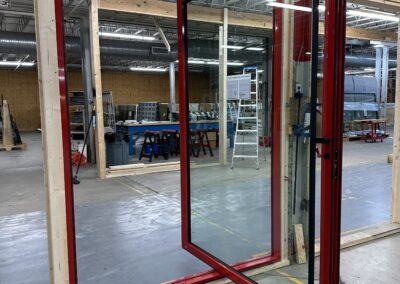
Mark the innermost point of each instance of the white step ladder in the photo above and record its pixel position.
(247, 124)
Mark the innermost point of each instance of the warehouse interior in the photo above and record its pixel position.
(136, 175)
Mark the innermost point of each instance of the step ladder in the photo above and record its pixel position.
(246, 144)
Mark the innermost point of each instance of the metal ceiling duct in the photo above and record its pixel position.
(24, 43)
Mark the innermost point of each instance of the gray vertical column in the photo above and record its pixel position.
(385, 77)
(378, 73)
(267, 86)
(87, 83)
(223, 71)
(172, 93)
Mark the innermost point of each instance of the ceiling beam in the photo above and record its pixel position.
(164, 9)
(392, 6)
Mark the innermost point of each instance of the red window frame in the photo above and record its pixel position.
(69, 194)
(221, 268)
(332, 120)
(332, 152)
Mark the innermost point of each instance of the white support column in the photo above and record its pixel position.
(172, 93)
(52, 143)
(396, 147)
(97, 86)
(223, 72)
(385, 76)
(378, 73)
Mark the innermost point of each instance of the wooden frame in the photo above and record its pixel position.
(56, 141)
(97, 87)
(164, 9)
(395, 208)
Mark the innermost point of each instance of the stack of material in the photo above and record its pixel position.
(149, 111)
(10, 136)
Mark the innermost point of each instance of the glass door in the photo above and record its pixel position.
(247, 113)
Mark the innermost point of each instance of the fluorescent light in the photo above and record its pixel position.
(374, 11)
(148, 69)
(127, 36)
(196, 62)
(233, 46)
(369, 69)
(255, 48)
(211, 62)
(289, 6)
(16, 63)
(372, 15)
(321, 8)
(235, 64)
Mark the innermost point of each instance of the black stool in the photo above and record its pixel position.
(194, 143)
(156, 146)
(171, 138)
(204, 141)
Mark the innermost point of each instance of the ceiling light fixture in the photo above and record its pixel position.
(255, 48)
(210, 62)
(289, 6)
(16, 63)
(233, 46)
(196, 62)
(321, 8)
(127, 36)
(372, 15)
(235, 63)
(148, 69)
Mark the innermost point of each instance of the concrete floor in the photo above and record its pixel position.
(123, 224)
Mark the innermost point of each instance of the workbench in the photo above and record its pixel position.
(373, 125)
(136, 130)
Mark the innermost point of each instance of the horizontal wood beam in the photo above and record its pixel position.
(164, 9)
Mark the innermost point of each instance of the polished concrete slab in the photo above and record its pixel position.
(129, 227)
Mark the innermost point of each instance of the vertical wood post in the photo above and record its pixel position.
(396, 147)
(55, 141)
(7, 130)
(223, 104)
(287, 92)
(97, 87)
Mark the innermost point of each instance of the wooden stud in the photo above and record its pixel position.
(52, 144)
(301, 256)
(164, 9)
(396, 149)
(287, 92)
(97, 83)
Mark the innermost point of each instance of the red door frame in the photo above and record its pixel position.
(335, 23)
(69, 194)
(222, 269)
(332, 121)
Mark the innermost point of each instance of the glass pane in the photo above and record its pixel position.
(233, 216)
(230, 174)
(368, 131)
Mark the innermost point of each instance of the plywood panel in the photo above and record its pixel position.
(20, 89)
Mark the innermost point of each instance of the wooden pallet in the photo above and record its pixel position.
(22, 146)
